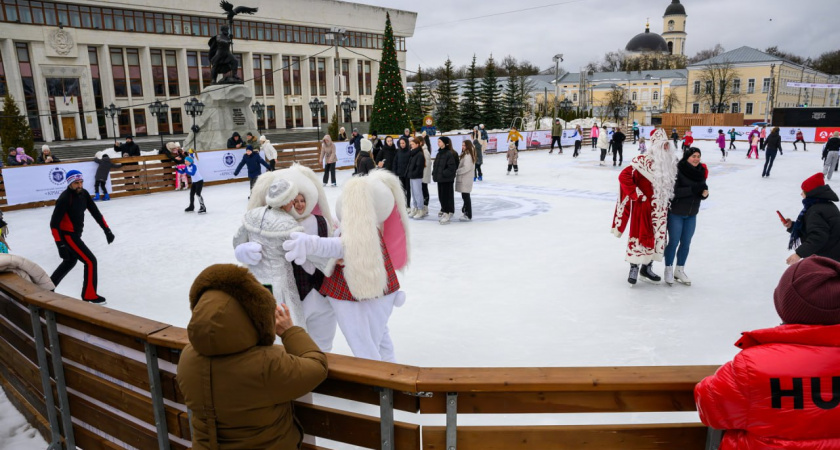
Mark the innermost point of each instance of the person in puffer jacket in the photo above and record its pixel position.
(783, 390)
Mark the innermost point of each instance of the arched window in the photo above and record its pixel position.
(670, 25)
(671, 47)
(656, 95)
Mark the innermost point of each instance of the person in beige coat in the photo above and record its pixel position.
(464, 178)
(512, 158)
(238, 385)
(328, 158)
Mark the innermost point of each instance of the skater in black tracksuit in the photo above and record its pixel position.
(253, 160)
(67, 223)
(618, 146)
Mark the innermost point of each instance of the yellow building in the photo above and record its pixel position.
(759, 83)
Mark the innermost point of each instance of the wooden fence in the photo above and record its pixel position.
(684, 122)
(98, 378)
(151, 174)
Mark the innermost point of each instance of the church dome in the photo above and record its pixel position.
(675, 9)
(647, 42)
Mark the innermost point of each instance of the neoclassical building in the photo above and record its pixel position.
(64, 62)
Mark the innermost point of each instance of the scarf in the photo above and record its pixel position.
(796, 228)
(697, 174)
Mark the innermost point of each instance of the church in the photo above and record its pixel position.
(672, 40)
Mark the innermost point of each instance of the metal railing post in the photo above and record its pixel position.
(157, 396)
(451, 421)
(713, 438)
(44, 369)
(386, 418)
(60, 384)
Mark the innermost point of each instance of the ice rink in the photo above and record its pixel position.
(536, 279)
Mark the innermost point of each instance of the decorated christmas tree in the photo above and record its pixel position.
(389, 112)
(14, 129)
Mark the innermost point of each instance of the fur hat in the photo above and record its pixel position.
(45, 147)
(367, 207)
(280, 193)
(814, 181)
(307, 183)
(262, 139)
(365, 145)
(809, 292)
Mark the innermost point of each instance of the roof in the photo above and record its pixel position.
(647, 42)
(675, 9)
(626, 76)
(740, 56)
(680, 82)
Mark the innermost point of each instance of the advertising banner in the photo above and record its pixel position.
(220, 165)
(788, 134)
(824, 133)
(41, 183)
(346, 154)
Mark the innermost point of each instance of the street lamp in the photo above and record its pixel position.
(349, 106)
(337, 36)
(558, 58)
(159, 110)
(258, 109)
(193, 107)
(631, 107)
(315, 105)
(113, 111)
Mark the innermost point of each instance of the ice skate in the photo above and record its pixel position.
(481, 178)
(508, 172)
(465, 219)
(669, 275)
(444, 219)
(421, 213)
(412, 212)
(96, 197)
(190, 208)
(106, 197)
(680, 276)
(634, 274)
(647, 274)
(516, 173)
(99, 300)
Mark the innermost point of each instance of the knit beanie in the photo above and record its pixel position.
(814, 181)
(74, 175)
(189, 159)
(365, 145)
(809, 292)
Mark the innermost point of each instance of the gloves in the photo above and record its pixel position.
(249, 253)
(63, 250)
(109, 236)
(298, 246)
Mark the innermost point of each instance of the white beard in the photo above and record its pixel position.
(664, 166)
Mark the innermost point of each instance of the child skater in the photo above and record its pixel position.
(642, 145)
(512, 158)
(197, 185)
(721, 142)
(102, 173)
(753, 146)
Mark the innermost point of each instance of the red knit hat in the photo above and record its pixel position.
(814, 181)
(809, 292)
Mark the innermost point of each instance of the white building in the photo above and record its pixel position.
(63, 62)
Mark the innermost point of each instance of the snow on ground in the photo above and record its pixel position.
(15, 431)
(537, 279)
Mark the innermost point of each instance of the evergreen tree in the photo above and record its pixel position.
(389, 114)
(512, 97)
(14, 129)
(447, 117)
(490, 97)
(332, 129)
(470, 115)
(418, 102)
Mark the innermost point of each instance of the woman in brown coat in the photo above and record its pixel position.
(237, 383)
(328, 158)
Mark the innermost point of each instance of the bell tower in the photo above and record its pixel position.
(673, 27)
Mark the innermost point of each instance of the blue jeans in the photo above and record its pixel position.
(680, 231)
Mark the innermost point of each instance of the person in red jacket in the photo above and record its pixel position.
(783, 390)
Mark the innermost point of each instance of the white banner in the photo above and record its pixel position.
(45, 182)
(812, 85)
(345, 153)
(219, 165)
(788, 134)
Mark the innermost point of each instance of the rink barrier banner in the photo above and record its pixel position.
(824, 133)
(110, 379)
(788, 134)
(39, 185)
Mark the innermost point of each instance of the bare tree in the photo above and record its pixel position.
(615, 102)
(708, 53)
(716, 86)
(671, 101)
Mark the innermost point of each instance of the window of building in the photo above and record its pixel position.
(268, 75)
(655, 95)
(290, 123)
(749, 109)
(3, 88)
(177, 120)
(360, 76)
(291, 75)
(118, 72)
(736, 86)
(298, 116)
(135, 82)
(140, 122)
(696, 88)
(206, 72)
(193, 73)
(695, 108)
(258, 82)
(633, 96)
(736, 108)
(751, 86)
(158, 79)
(29, 96)
(322, 76)
(93, 58)
(171, 60)
(367, 78)
(574, 97)
(765, 86)
(708, 87)
(271, 115)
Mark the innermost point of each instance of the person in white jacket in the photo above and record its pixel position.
(269, 152)
(603, 143)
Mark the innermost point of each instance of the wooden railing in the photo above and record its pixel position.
(151, 174)
(110, 382)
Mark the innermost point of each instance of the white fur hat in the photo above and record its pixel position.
(366, 145)
(307, 183)
(262, 139)
(280, 193)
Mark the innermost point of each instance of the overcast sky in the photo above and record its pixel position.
(584, 30)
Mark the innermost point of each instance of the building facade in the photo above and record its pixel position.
(65, 62)
(673, 28)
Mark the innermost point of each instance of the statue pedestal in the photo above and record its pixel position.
(227, 108)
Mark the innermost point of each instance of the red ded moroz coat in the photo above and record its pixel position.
(781, 392)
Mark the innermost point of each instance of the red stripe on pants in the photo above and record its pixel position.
(89, 293)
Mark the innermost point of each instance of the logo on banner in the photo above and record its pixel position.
(229, 159)
(351, 150)
(57, 176)
(792, 132)
(710, 130)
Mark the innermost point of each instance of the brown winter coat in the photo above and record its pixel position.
(512, 156)
(328, 155)
(465, 174)
(237, 383)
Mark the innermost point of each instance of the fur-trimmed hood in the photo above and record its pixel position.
(231, 311)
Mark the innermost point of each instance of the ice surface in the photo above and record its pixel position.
(15, 432)
(537, 279)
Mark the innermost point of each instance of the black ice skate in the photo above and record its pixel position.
(100, 300)
(648, 275)
(634, 274)
(190, 208)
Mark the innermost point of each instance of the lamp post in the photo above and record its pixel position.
(315, 105)
(258, 109)
(193, 107)
(349, 105)
(631, 107)
(558, 58)
(159, 110)
(337, 36)
(113, 111)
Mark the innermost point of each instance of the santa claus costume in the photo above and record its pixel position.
(361, 287)
(646, 190)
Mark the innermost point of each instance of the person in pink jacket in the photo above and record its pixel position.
(721, 142)
(762, 135)
(753, 146)
(594, 135)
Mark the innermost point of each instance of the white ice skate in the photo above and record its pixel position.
(669, 275)
(680, 276)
